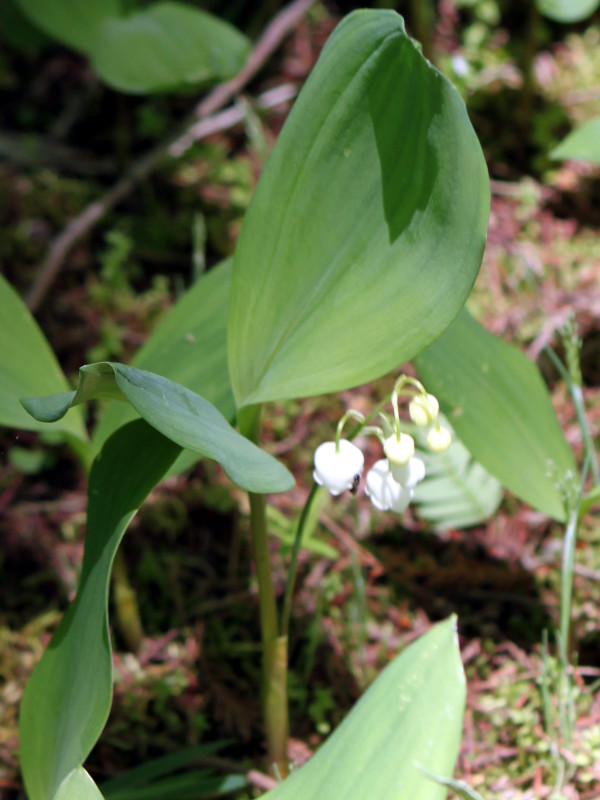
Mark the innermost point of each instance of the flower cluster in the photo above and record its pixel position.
(391, 481)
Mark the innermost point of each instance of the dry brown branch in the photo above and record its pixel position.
(268, 43)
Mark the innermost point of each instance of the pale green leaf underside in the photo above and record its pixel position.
(188, 346)
(165, 46)
(582, 144)
(367, 227)
(500, 408)
(411, 715)
(457, 492)
(68, 697)
(78, 786)
(179, 414)
(28, 367)
(567, 10)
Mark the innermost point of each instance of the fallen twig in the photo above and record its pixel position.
(273, 35)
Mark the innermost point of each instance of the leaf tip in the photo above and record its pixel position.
(50, 408)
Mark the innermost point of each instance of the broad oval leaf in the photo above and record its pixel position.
(582, 143)
(179, 414)
(73, 22)
(409, 718)
(68, 697)
(567, 10)
(366, 230)
(166, 46)
(499, 406)
(28, 367)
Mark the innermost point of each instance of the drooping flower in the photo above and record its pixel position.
(409, 474)
(384, 492)
(399, 449)
(423, 410)
(337, 468)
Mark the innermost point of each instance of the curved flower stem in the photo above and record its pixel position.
(305, 513)
(275, 645)
(293, 568)
(350, 414)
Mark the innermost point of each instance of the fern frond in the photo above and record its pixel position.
(457, 491)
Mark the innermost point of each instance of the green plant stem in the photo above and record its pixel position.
(274, 646)
(276, 705)
(590, 450)
(579, 406)
(262, 561)
(525, 108)
(566, 704)
(566, 587)
(422, 14)
(274, 679)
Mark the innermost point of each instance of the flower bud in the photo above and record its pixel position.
(399, 451)
(385, 493)
(439, 440)
(337, 471)
(423, 411)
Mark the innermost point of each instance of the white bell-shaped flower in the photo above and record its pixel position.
(399, 449)
(338, 470)
(409, 474)
(423, 410)
(386, 493)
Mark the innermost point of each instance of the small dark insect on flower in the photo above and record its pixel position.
(355, 482)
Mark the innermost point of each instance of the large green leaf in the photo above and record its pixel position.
(28, 367)
(567, 10)
(189, 346)
(410, 717)
(499, 406)
(73, 22)
(366, 231)
(67, 699)
(178, 413)
(165, 46)
(583, 143)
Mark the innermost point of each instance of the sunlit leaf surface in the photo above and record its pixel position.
(499, 406)
(366, 230)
